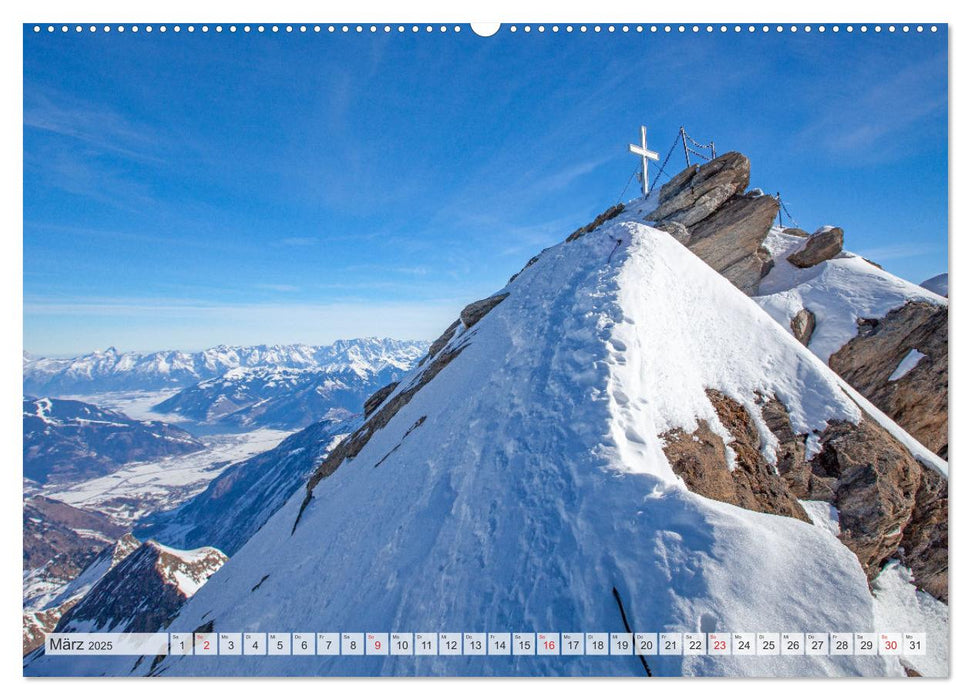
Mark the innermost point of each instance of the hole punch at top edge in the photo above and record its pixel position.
(485, 28)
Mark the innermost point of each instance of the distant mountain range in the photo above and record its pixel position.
(111, 370)
(67, 441)
(281, 398)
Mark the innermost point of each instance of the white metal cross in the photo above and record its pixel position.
(644, 154)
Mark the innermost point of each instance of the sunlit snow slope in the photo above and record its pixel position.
(527, 480)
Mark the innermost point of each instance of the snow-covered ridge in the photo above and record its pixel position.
(530, 476)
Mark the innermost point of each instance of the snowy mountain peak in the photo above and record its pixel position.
(937, 284)
(141, 592)
(619, 417)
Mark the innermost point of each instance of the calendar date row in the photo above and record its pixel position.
(491, 644)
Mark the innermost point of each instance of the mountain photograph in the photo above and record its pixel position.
(437, 402)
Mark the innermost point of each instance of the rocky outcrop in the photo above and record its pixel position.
(602, 218)
(708, 209)
(823, 245)
(924, 542)
(38, 624)
(917, 401)
(794, 231)
(696, 192)
(730, 240)
(144, 591)
(474, 312)
(378, 397)
(874, 482)
(890, 505)
(803, 324)
(441, 341)
(700, 458)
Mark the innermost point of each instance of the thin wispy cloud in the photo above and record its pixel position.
(350, 174)
(902, 251)
(278, 287)
(98, 127)
(299, 241)
(862, 119)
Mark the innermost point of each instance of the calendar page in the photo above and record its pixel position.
(591, 349)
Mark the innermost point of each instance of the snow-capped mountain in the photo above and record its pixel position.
(281, 398)
(240, 500)
(936, 284)
(67, 441)
(42, 615)
(619, 423)
(111, 370)
(143, 590)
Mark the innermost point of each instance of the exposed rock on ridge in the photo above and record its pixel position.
(916, 401)
(708, 210)
(890, 505)
(823, 245)
(803, 324)
(700, 459)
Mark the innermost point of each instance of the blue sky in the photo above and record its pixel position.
(184, 190)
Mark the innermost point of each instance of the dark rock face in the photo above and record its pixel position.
(38, 623)
(890, 505)
(699, 459)
(925, 538)
(474, 312)
(695, 193)
(143, 592)
(803, 324)
(874, 482)
(819, 247)
(730, 240)
(601, 219)
(442, 340)
(378, 397)
(708, 209)
(916, 401)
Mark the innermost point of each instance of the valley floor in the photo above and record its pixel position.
(147, 487)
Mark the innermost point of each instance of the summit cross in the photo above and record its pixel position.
(645, 155)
